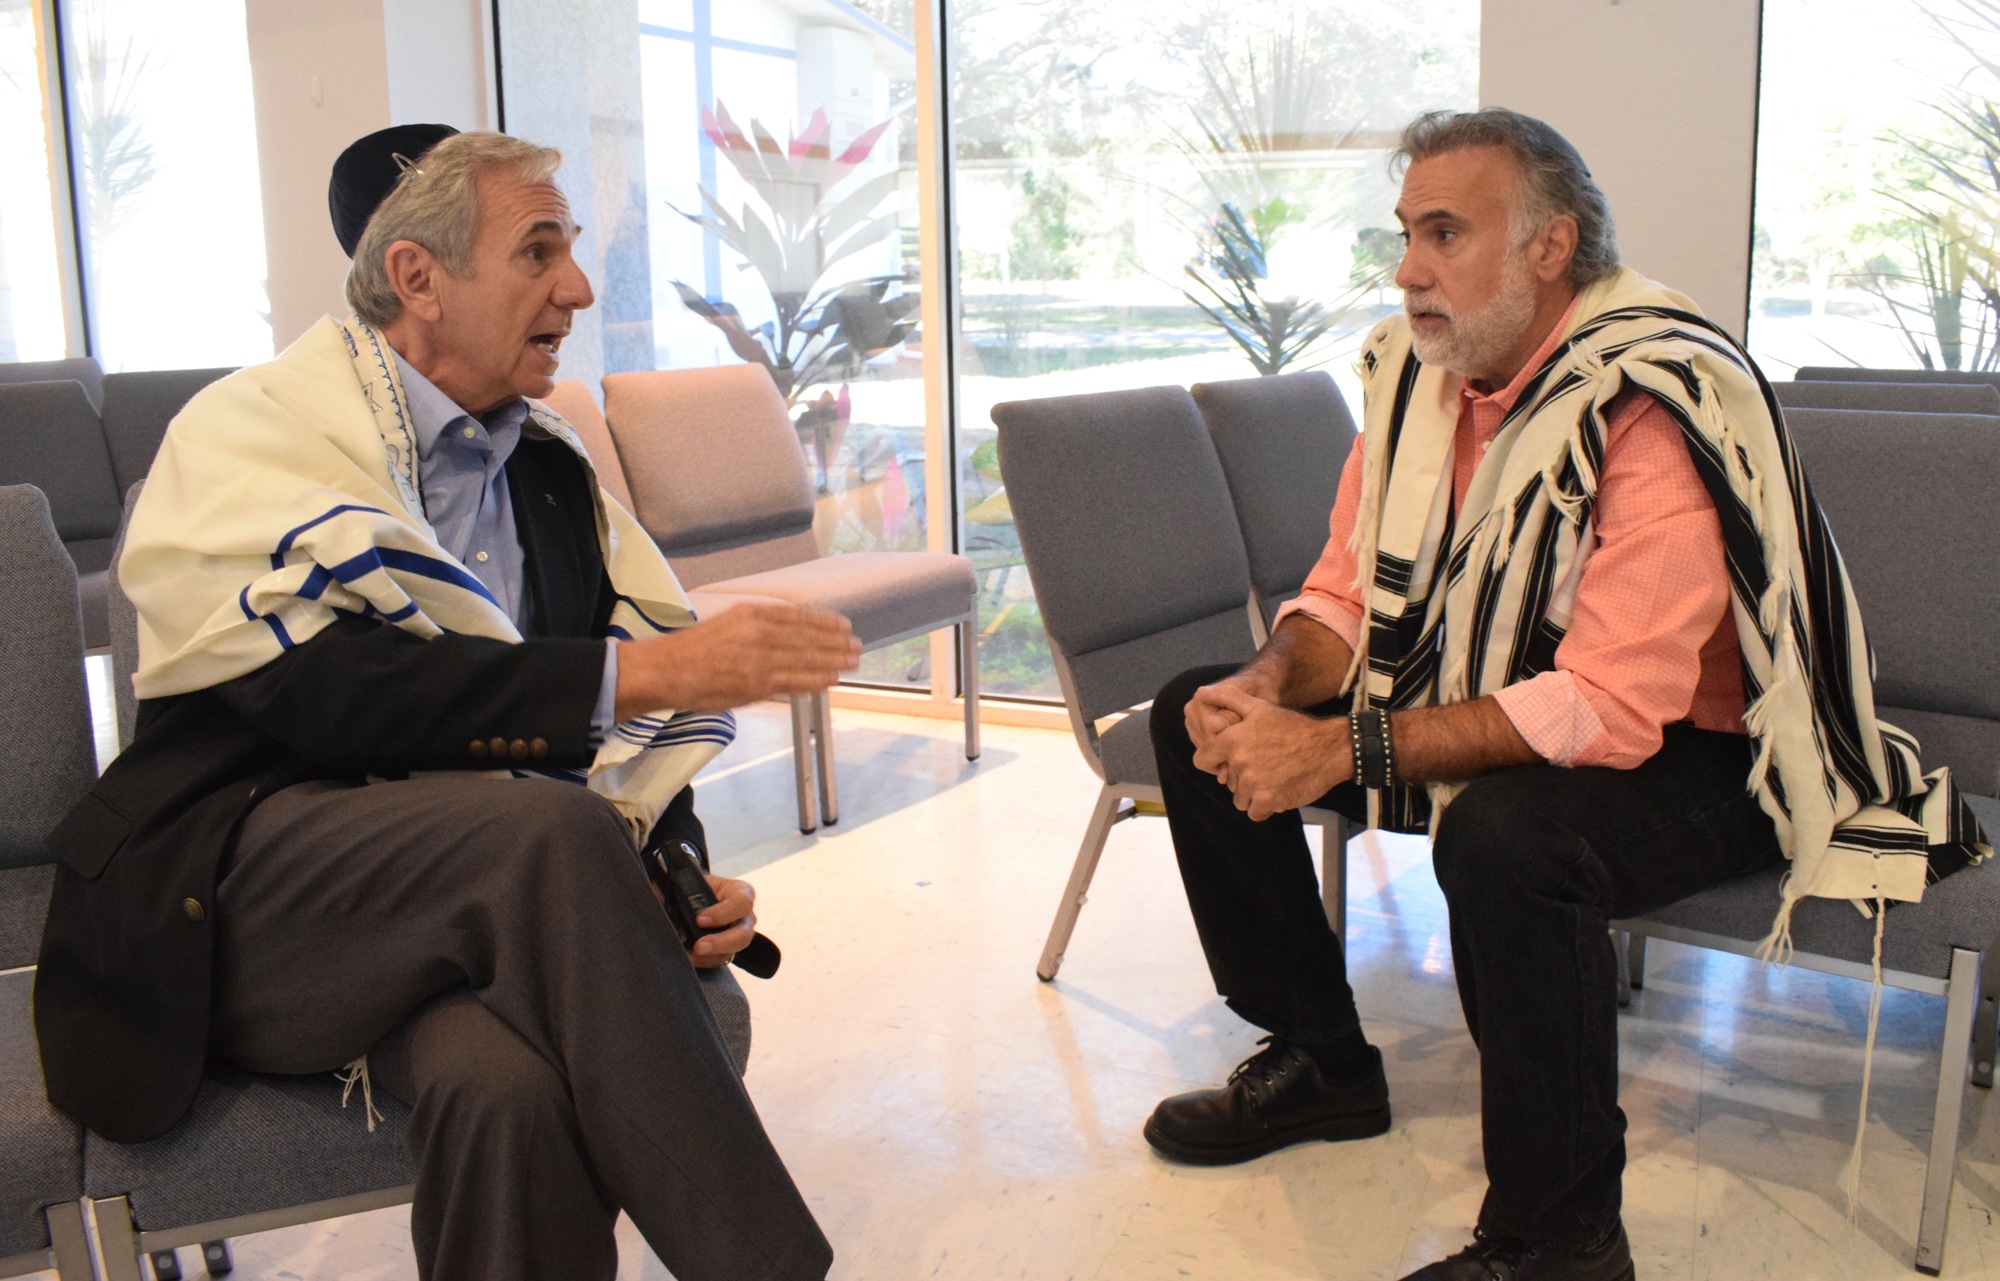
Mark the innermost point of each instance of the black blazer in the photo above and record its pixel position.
(122, 995)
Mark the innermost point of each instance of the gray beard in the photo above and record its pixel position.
(1474, 342)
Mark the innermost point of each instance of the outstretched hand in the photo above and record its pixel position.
(1271, 759)
(743, 655)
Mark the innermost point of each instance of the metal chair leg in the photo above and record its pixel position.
(1635, 960)
(829, 798)
(1078, 889)
(69, 1241)
(117, 1239)
(1986, 1027)
(1621, 943)
(802, 759)
(1962, 1000)
(968, 682)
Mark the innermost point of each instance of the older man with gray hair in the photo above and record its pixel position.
(415, 695)
(1570, 549)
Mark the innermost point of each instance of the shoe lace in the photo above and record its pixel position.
(1510, 1251)
(1266, 1064)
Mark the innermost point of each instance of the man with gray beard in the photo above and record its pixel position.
(1572, 690)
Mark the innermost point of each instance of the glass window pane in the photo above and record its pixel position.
(163, 138)
(1877, 203)
(1107, 148)
(31, 303)
(833, 316)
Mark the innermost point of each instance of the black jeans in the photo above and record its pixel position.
(1534, 862)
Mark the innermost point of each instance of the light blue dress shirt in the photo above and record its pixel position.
(461, 469)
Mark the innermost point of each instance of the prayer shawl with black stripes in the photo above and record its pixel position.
(288, 494)
(1463, 603)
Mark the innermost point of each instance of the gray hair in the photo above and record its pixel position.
(436, 204)
(1554, 179)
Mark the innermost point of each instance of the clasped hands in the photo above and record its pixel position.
(1271, 758)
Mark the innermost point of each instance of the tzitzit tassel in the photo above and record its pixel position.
(357, 1072)
(1850, 1177)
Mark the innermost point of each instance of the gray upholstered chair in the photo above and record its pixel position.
(1914, 521)
(50, 437)
(137, 409)
(1911, 398)
(1140, 573)
(1283, 441)
(574, 402)
(1849, 373)
(719, 480)
(77, 369)
(260, 1152)
(45, 764)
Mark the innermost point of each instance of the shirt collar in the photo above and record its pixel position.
(1504, 398)
(431, 411)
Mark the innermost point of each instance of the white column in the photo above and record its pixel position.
(1660, 96)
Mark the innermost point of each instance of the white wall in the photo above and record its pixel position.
(323, 75)
(1660, 96)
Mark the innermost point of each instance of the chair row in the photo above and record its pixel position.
(83, 437)
(256, 1152)
(710, 464)
(1164, 528)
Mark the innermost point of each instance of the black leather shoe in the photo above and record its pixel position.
(1275, 1098)
(1510, 1259)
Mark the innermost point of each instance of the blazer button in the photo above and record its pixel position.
(478, 749)
(193, 908)
(497, 746)
(518, 749)
(538, 747)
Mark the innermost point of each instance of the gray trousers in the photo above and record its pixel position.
(496, 950)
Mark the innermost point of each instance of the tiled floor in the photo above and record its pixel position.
(950, 1117)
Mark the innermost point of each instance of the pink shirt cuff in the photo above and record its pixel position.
(1330, 614)
(1551, 713)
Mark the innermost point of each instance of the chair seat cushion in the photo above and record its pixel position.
(1126, 750)
(24, 905)
(1962, 910)
(252, 1144)
(883, 594)
(41, 1150)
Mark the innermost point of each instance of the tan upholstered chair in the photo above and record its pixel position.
(719, 480)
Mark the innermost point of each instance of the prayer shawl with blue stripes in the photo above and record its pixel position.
(287, 494)
(1463, 603)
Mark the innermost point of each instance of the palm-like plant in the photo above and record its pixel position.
(811, 218)
(1229, 271)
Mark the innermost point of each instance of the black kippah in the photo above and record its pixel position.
(368, 171)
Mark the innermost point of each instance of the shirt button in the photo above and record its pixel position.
(471, 432)
(193, 908)
(481, 558)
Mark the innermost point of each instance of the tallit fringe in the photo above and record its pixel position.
(1850, 1176)
(1776, 947)
(357, 1072)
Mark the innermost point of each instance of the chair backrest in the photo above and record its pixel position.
(77, 369)
(1129, 536)
(1910, 498)
(46, 756)
(579, 408)
(1909, 398)
(716, 471)
(137, 409)
(1851, 374)
(1283, 441)
(124, 627)
(50, 437)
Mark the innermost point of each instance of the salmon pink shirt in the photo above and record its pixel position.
(1650, 640)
